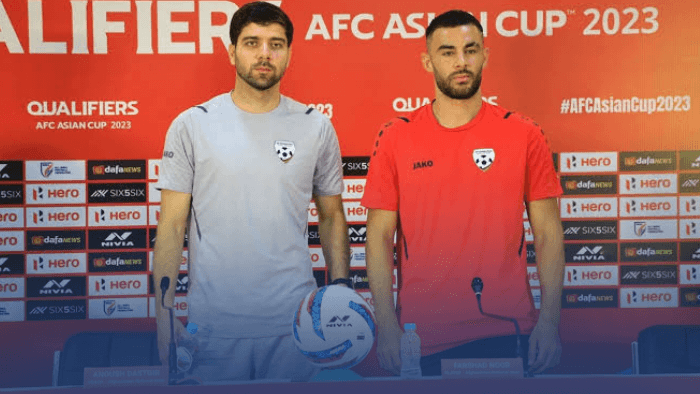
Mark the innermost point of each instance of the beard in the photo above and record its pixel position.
(261, 83)
(459, 92)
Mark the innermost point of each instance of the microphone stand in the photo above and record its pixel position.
(172, 350)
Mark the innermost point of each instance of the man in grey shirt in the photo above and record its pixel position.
(240, 170)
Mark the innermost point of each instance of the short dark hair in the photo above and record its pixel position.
(262, 13)
(452, 18)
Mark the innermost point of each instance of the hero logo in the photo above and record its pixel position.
(39, 265)
(53, 287)
(632, 206)
(590, 276)
(691, 229)
(116, 240)
(633, 297)
(52, 217)
(9, 217)
(590, 208)
(102, 285)
(589, 254)
(691, 274)
(8, 241)
(574, 162)
(691, 205)
(38, 193)
(633, 183)
(101, 216)
(9, 288)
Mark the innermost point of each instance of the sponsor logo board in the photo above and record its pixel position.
(183, 263)
(125, 238)
(66, 170)
(109, 285)
(689, 274)
(179, 304)
(117, 262)
(588, 184)
(527, 229)
(580, 162)
(153, 215)
(648, 274)
(355, 165)
(11, 217)
(11, 241)
(55, 193)
(591, 275)
(11, 264)
(591, 253)
(11, 311)
(55, 240)
(56, 263)
(118, 308)
(648, 184)
(353, 188)
(602, 207)
(648, 252)
(690, 160)
(63, 217)
(153, 193)
(56, 286)
(648, 161)
(320, 276)
(181, 286)
(690, 228)
(648, 206)
(359, 278)
(689, 182)
(116, 169)
(690, 297)
(357, 233)
(56, 310)
(649, 297)
(154, 169)
(690, 251)
(531, 256)
(533, 276)
(11, 194)
(11, 287)
(11, 171)
(117, 215)
(590, 230)
(589, 298)
(649, 229)
(107, 193)
(689, 205)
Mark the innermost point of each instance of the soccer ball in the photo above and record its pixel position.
(334, 327)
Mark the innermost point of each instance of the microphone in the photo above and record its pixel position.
(172, 351)
(477, 287)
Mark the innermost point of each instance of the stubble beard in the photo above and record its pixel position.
(459, 93)
(261, 84)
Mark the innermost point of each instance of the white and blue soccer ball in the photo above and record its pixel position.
(334, 327)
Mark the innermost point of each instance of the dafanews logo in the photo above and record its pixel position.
(56, 286)
(55, 240)
(118, 308)
(589, 298)
(104, 193)
(56, 263)
(131, 238)
(118, 262)
(355, 165)
(588, 207)
(649, 297)
(648, 252)
(690, 296)
(11, 171)
(590, 230)
(587, 162)
(591, 275)
(591, 253)
(648, 275)
(56, 310)
(116, 169)
(359, 278)
(66, 170)
(11, 195)
(690, 251)
(690, 274)
(649, 229)
(648, 161)
(588, 184)
(648, 206)
(689, 183)
(690, 160)
(11, 264)
(648, 184)
(56, 193)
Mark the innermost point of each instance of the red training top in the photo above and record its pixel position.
(459, 193)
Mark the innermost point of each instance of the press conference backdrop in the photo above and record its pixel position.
(90, 88)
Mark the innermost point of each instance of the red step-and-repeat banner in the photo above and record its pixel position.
(90, 88)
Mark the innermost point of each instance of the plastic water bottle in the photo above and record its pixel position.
(186, 348)
(410, 353)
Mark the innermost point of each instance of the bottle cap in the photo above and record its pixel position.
(409, 326)
(191, 328)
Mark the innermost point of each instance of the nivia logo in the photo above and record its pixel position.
(357, 233)
(11, 171)
(338, 321)
(134, 238)
(117, 240)
(56, 287)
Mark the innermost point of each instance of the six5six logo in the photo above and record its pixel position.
(588, 207)
(11, 194)
(135, 215)
(648, 274)
(56, 310)
(590, 230)
(116, 192)
(55, 193)
(689, 182)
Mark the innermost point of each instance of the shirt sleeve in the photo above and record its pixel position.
(328, 174)
(382, 187)
(177, 164)
(541, 180)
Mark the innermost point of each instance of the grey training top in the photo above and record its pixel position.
(251, 177)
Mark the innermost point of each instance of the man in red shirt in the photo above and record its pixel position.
(450, 179)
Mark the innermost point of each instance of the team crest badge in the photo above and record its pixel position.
(109, 307)
(483, 158)
(285, 150)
